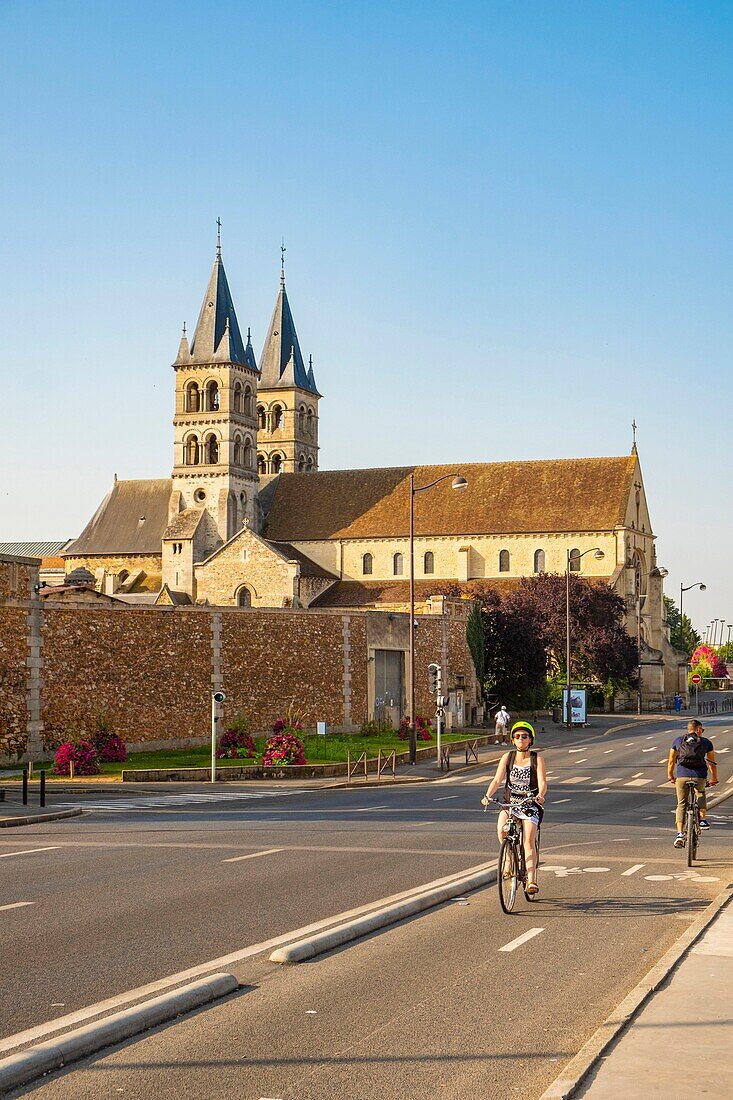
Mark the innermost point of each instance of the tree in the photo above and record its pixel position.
(682, 633)
(477, 644)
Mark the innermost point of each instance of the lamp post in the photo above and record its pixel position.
(652, 573)
(459, 484)
(686, 588)
(598, 555)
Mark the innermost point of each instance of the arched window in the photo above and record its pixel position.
(367, 564)
(309, 463)
(539, 561)
(301, 418)
(428, 565)
(575, 561)
(247, 454)
(397, 563)
(212, 396)
(261, 417)
(261, 464)
(237, 450)
(301, 462)
(276, 463)
(244, 597)
(309, 423)
(212, 451)
(248, 400)
(192, 450)
(276, 418)
(237, 397)
(193, 398)
(503, 561)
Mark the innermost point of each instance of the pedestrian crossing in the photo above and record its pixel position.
(607, 781)
(175, 801)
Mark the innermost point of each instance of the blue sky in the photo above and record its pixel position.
(508, 232)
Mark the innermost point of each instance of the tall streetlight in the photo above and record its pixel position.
(652, 573)
(722, 626)
(730, 627)
(598, 555)
(459, 484)
(686, 588)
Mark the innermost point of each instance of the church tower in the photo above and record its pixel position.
(287, 398)
(215, 426)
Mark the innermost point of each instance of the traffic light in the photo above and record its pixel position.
(434, 679)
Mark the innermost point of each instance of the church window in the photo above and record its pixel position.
(238, 450)
(539, 561)
(212, 451)
(244, 597)
(247, 454)
(367, 564)
(261, 464)
(503, 561)
(276, 463)
(242, 499)
(309, 423)
(261, 416)
(301, 418)
(397, 565)
(574, 561)
(199, 496)
(193, 398)
(276, 418)
(237, 398)
(309, 463)
(429, 562)
(212, 396)
(301, 462)
(248, 401)
(192, 451)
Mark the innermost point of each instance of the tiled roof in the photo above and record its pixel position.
(184, 524)
(130, 520)
(397, 592)
(584, 494)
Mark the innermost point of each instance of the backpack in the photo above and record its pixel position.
(691, 753)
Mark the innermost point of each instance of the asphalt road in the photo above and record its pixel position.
(135, 891)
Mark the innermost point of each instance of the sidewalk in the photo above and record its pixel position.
(680, 1043)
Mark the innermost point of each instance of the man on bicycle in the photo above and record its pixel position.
(523, 774)
(689, 758)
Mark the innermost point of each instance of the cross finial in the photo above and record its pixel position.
(218, 236)
(633, 428)
(249, 335)
(283, 250)
(184, 328)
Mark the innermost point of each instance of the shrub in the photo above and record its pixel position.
(377, 729)
(83, 754)
(235, 744)
(423, 732)
(283, 748)
(288, 725)
(113, 750)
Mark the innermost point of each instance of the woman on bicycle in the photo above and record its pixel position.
(523, 774)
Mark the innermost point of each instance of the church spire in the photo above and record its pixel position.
(281, 362)
(217, 312)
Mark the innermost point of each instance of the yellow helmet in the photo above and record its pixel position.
(522, 725)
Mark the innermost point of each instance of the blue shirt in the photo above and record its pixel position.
(681, 772)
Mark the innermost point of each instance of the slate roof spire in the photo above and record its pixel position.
(281, 362)
(217, 314)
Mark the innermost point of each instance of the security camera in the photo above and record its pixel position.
(219, 697)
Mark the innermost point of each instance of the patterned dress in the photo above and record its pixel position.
(519, 789)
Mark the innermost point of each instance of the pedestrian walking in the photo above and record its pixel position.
(677, 702)
(502, 722)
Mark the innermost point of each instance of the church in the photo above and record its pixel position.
(248, 519)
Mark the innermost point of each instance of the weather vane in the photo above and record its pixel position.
(633, 428)
(218, 236)
(283, 250)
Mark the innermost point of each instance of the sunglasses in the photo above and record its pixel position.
(521, 736)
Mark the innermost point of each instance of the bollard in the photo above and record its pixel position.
(71, 769)
(25, 786)
(30, 770)
(42, 801)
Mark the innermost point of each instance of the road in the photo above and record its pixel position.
(138, 890)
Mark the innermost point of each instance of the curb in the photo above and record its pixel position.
(713, 802)
(612, 1027)
(382, 918)
(34, 819)
(21, 1068)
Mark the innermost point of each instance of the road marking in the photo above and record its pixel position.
(417, 824)
(629, 744)
(583, 761)
(650, 737)
(16, 905)
(638, 782)
(637, 774)
(173, 801)
(652, 748)
(600, 790)
(514, 944)
(559, 801)
(368, 809)
(575, 750)
(253, 855)
(575, 779)
(561, 871)
(445, 797)
(606, 751)
(611, 779)
(722, 750)
(29, 851)
(632, 870)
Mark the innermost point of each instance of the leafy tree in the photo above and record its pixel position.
(726, 651)
(477, 644)
(682, 633)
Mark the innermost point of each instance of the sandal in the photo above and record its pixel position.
(532, 889)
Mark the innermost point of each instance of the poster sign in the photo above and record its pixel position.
(578, 705)
(321, 729)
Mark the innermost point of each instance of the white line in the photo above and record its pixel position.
(559, 801)
(606, 751)
(576, 779)
(445, 797)
(253, 855)
(629, 744)
(611, 779)
(417, 824)
(600, 790)
(368, 809)
(575, 750)
(652, 748)
(29, 851)
(514, 944)
(637, 774)
(583, 761)
(638, 782)
(16, 905)
(632, 870)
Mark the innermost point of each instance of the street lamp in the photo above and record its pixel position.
(686, 588)
(598, 555)
(459, 484)
(652, 573)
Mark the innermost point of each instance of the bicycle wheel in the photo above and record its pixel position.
(691, 838)
(507, 876)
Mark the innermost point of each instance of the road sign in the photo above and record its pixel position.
(696, 678)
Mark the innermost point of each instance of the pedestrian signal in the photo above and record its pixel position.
(434, 679)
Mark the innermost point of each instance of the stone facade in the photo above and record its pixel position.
(247, 572)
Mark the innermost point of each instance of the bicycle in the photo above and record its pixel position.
(512, 870)
(692, 820)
